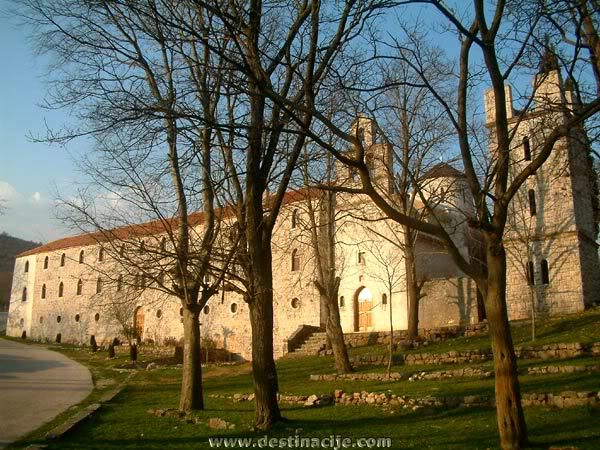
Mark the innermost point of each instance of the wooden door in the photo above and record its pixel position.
(138, 323)
(364, 315)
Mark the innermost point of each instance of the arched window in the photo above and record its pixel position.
(206, 309)
(101, 254)
(143, 281)
(63, 257)
(99, 286)
(294, 218)
(24, 295)
(530, 274)
(233, 308)
(79, 287)
(295, 260)
(163, 244)
(532, 206)
(122, 250)
(46, 262)
(526, 149)
(384, 299)
(77, 317)
(158, 314)
(61, 288)
(43, 291)
(119, 283)
(97, 317)
(81, 257)
(342, 302)
(545, 272)
(26, 266)
(142, 247)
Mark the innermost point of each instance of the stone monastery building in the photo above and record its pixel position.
(71, 289)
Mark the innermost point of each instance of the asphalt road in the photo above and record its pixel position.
(35, 386)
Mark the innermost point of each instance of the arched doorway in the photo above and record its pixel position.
(363, 304)
(138, 323)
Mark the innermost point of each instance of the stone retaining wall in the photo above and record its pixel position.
(397, 376)
(430, 334)
(564, 399)
(562, 369)
(551, 351)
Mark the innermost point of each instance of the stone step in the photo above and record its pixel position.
(312, 344)
(310, 348)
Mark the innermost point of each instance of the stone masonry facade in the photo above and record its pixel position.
(73, 288)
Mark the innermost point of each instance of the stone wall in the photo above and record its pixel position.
(566, 399)
(426, 334)
(448, 302)
(467, 372)
(550, 351)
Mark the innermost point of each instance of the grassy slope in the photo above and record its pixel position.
(125, 422)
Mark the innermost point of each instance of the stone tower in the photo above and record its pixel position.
(552, 254)
(378, 156)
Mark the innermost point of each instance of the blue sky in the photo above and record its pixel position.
(30, 173)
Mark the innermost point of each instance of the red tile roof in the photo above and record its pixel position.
(443, 170)
(144, 229)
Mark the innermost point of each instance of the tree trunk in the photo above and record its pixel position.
(391, 344)
(532, 301)
(511, 421)
(191, 383)
(261, 319)
(335, 336)
(412, 291)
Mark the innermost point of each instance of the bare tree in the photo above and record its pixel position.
(323, 214)
(260, 141)
(419, 133)
(147, 95)
(390, 262)
(505, 45)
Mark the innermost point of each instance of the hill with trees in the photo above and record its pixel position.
(10, 247)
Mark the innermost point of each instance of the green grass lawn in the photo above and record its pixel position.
(125, 422)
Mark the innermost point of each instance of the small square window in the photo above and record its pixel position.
(361, 257)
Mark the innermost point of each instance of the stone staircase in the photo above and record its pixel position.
(312, 345)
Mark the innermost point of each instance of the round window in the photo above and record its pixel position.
(159, 313)
(77, 317)
(97, 317)
(58, 319)
(295, 303)
(233, 308)
(206, 309)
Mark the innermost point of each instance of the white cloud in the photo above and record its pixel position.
(7, 192)
(28, 215)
